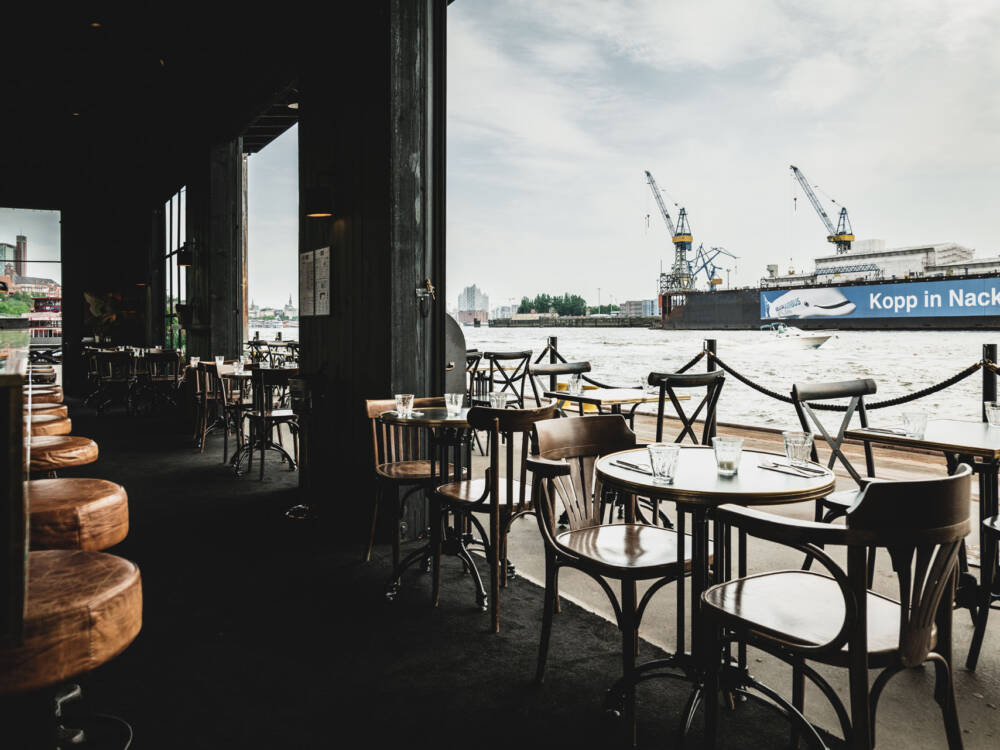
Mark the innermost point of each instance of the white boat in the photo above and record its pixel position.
(796, 337)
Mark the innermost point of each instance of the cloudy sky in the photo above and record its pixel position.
(556, 108)
(42, 230)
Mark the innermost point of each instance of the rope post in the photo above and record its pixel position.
(710, 347)
(553, 347)
(989, 377)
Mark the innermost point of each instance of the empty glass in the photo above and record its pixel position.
(195, 361)
(218, 362)
(915, 423)
(992, 412)
(238, 367)
(498, 400)
(453, 403)
(728, 451)
(663, 461)
(798, 447)
(404, 404)
(574, 385)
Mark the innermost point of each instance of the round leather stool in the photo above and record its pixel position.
(56, 410)
(71, 513)
(42, 378)
(54, 452)
(83, 609)
(51, 395)
(49, 424)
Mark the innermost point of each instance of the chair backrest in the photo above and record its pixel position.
(508, 424)
(578, 442)
(669, 383)
(472, 358)
(922, 524)
(855, 391)
(114, 365)
(163, 365)
(267, 380)
(392, 443)
(508, 371)
(550, 369)
(208, 380)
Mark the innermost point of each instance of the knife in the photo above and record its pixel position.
(786, 470)
(888, 430)
(809, 469)
(632, 467)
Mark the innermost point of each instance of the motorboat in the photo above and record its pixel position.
(796, 336)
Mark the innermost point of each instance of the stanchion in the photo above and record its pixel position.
(989, 376)
(711, 347)
(553, 346)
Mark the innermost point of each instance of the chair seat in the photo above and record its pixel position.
(843, 498)
(45, 397)
(72, 513)
(54, 452)
(802, 607)
(49, 424)
(470, 490)
(83, 609)
(57, 410)
(630, 547)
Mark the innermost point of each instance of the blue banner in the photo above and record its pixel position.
(907, 299)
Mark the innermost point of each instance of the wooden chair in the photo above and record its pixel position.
(669, 382)
(551, 369)
(803, 616)
(401, 468)
(507, 374)
(115, 380)
(989, 543)
(163, 374)
(209, 409)
(627, 552)
(264, 418)
(234, 399)
(503, 499)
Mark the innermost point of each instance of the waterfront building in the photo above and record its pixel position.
(36, 286)
(472, 298)
(640, 308)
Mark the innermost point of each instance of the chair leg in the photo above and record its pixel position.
(987, 568)
(264, 435)
(495, 557)
(861, 735)
(548, 609)
(798, 699)
(225, 434)
(629, 645)
(711, 696)
(436, 521)
(371, 531)
(397, 519)
(944, 692)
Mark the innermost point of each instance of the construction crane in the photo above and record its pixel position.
(680, 277)
(842, 235)
(705, 261)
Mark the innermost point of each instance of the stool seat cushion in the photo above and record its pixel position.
(83, 609)
(54, 452)
(43, 377)
(58, 410)
(47, 396)
(49, 424)
(76, 513)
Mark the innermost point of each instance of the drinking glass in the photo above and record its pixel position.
(404, 404)
(195, 361)
(498, 400)
(915, 423)
(728, 451)
(663, 461)
(238, 367)
(798, 447)
(453, 403)
(218, 362)
(574, 385)
(992, 412)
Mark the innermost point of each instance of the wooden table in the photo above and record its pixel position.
(974, 443)
(450, 453)
(698, 488)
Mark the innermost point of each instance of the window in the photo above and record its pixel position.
(175, 276)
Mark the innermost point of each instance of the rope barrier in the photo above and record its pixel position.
(693, 362)
(947, 383)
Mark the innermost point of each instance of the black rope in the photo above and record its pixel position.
(693, 362)
(957, 377)
(685, 368)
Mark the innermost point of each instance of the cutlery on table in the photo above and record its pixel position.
(814, 470)
(782, 469)
(887, 430)
(632, 467)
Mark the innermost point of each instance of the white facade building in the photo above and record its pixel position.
(473, 299)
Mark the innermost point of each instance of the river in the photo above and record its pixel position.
(899, 362)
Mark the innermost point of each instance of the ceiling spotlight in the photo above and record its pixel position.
(95, 25)
(293, 105)
(76, 114)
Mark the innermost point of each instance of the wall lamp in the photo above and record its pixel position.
(185, 256)
(318, 203)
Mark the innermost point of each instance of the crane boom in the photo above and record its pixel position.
(841, 235)
(659, 202)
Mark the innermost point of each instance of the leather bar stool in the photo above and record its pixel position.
(42, 378)
(57, 410)
(82, 609)
(49, 424)
(53, 452)
(74, 513)
(51, 395)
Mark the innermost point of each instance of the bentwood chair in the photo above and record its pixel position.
(401, 468)
(803, 616)
(115, 380)
(502, 499)
(989, 543)
(669, 382)
(563, 474)
(507, 373)
(267, 417)
(210, 413)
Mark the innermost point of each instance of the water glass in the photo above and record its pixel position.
(218, 362)
(453, 403)
(574, 385)
(238, 367)
(498, 400)
(992, 412)
(195, 361)
(663, 461)
(798, 447)
(915, 423)
(728, 451)
(404, 404)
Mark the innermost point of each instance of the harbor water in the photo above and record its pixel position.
(900, 362)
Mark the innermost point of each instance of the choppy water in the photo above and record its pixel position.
(899, 361)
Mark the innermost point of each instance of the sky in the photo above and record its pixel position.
(555, 110)
(42, 230)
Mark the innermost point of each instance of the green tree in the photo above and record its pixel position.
(16, 304)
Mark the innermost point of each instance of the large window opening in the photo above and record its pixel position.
(175, 267)
(31, 273)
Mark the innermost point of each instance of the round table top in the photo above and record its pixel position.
(428, 417)
(698, 481)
